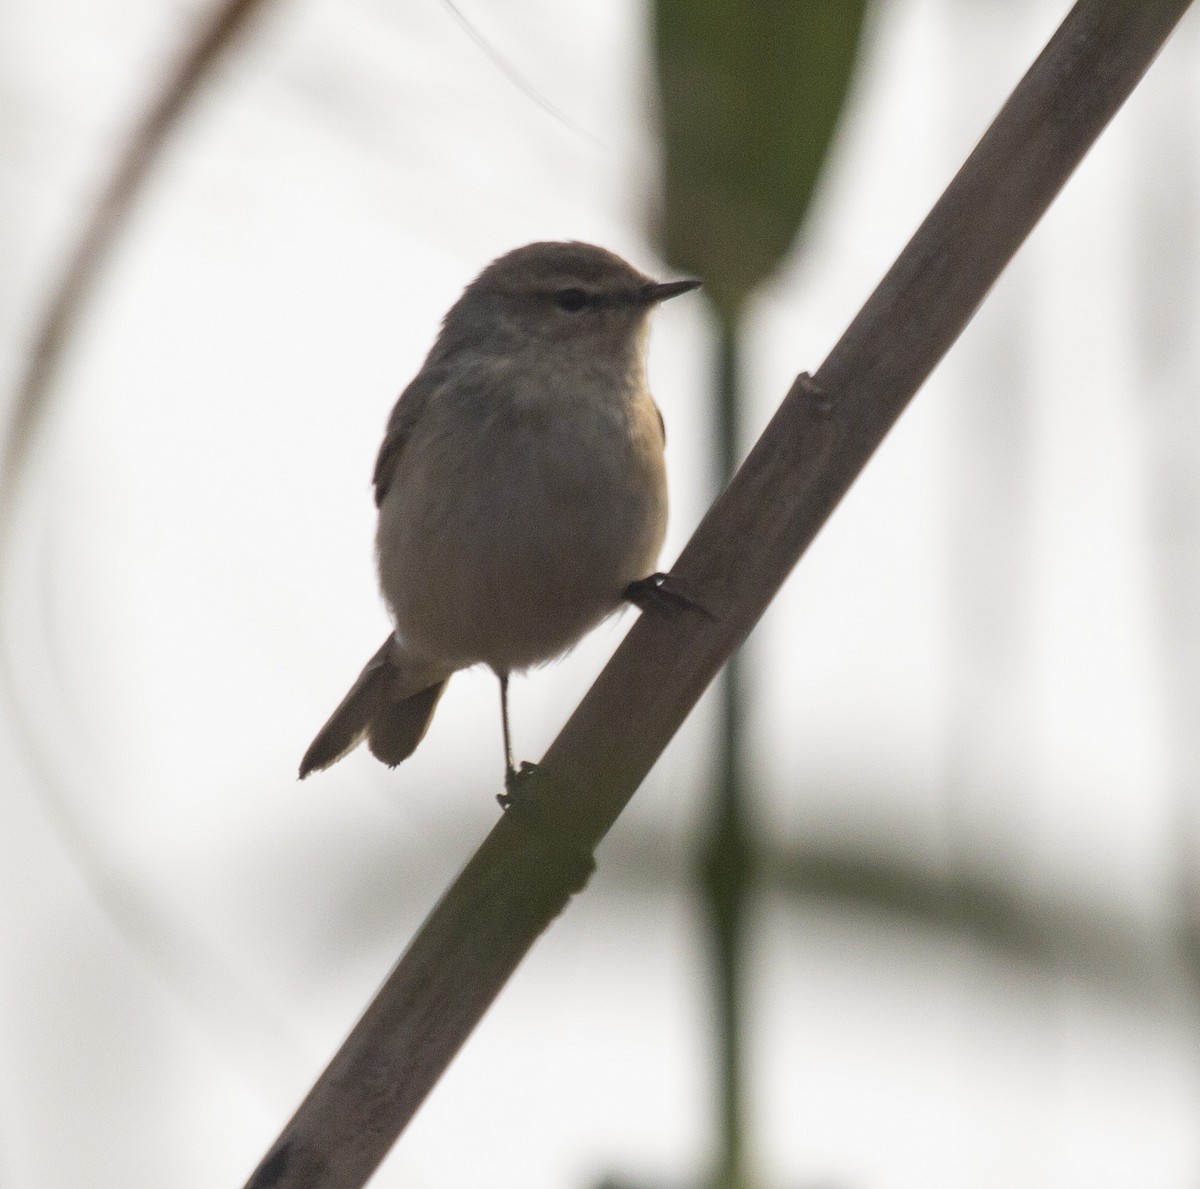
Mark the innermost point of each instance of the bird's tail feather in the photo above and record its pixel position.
(395, 731)
(390, 705)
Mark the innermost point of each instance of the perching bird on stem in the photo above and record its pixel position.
(521, 489)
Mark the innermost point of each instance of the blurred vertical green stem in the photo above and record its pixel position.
(749, 97)
(728, 855)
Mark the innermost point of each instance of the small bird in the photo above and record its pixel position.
(521, 489)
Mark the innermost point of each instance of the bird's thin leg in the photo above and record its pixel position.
(509, 770)
(513, 776)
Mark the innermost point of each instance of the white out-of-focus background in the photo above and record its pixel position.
(974, 712)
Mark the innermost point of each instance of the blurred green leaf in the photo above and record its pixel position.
(749, 97)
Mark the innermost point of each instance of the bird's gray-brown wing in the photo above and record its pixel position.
(404, 416)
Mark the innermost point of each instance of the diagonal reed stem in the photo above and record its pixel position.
(819, 440)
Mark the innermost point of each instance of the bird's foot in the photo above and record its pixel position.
(661, 593)
(515, 780)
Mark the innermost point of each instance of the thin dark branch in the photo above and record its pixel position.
(103, 229)
(818, 441)
(172, 952)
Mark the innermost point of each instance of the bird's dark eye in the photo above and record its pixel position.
(572, 300)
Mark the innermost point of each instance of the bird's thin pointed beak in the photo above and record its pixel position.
(658, 291)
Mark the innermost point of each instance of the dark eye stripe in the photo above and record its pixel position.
(572, 300)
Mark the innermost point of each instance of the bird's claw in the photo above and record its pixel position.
(660, 593)
(515, 780)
